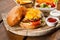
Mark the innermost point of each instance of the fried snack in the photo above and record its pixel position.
(26, 3)
(15, 15)
(44, 1)
(23, 1)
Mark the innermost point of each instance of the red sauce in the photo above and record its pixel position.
(52, 20)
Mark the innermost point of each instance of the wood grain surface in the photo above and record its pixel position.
(6, 35)
(3, 34)
(5, 6)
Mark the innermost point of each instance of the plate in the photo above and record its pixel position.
(44, 2)
(32, 32)
(45, 9)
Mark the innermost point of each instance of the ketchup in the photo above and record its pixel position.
(52, 20)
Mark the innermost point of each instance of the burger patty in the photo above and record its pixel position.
(33, 20)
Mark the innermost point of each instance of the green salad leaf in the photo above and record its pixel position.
(43, 5)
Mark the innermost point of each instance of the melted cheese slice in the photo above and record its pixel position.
(33, 14)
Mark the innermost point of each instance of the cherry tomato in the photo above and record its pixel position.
(52, 5)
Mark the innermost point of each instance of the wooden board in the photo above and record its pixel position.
(5, 6)
(6, 35)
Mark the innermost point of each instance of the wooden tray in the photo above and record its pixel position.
(32, 32)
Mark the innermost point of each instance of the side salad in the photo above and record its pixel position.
(46, 3)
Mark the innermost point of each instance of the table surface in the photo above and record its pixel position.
(5, 6)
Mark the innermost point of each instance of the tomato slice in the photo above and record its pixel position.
(36, 23)
(52, 5)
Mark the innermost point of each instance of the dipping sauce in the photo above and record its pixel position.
(52, 19)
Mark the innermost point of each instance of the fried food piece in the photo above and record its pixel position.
(44, 1)
(26, 3)
(15, 15)
(23, 1)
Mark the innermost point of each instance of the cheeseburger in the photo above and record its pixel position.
(32, 19)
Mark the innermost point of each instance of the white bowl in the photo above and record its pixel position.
(52, 23)
(44, 9)
(55, 13)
